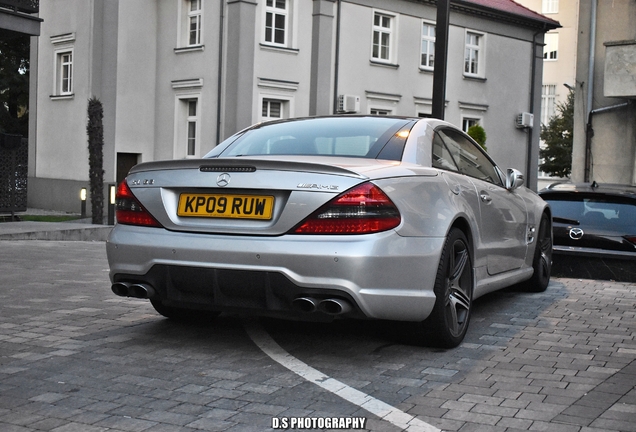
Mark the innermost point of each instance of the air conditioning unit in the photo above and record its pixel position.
(525, 120)
(348, 104)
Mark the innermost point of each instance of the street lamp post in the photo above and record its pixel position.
(441, 54)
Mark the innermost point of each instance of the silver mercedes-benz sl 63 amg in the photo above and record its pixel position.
(369, 217)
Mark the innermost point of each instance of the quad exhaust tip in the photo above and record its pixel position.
(305, 304)
(332, 306)
(135, 290)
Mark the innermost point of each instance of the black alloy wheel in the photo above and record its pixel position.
(542, 261)
(448, 322)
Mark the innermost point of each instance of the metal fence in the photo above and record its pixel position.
(14, 160)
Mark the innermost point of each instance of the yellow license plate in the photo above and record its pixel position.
(226, 206)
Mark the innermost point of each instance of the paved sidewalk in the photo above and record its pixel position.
(72, 231)
(76, 230)
(76, 358)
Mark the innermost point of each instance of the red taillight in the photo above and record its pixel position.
(631, 239)
(364, 209)
(129, 211)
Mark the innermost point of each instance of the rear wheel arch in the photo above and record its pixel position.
(464, 226)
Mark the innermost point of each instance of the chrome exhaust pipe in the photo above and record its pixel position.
(120, 288)
(304, 304)
(142, 291)
(334, 306)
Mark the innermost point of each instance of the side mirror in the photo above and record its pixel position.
(514, 179)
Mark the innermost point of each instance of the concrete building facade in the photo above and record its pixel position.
(559, 52)
(559, 61)
(177, 76)
(604, 148)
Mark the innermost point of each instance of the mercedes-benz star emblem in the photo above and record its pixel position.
(223, 180)
(576, 233)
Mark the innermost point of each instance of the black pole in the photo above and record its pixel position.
(441, 54)
(336, 68)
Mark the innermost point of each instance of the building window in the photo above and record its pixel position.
(383, 35)
(273, 109)
(190, 34)
(64, 73)
(276, 22)
(427, 59)
(550, 6)
(187, 126)
(551, 48)
(548, 102)
(192, 121)
(381, 112)
(473, 58)
(194, 22)
(468, 122)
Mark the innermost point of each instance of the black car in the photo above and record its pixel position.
(594, 228)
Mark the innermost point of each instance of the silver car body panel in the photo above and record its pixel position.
(390, 275)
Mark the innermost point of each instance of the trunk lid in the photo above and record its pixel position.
(247, 196)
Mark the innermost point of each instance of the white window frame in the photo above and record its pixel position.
(182, 121)
(428, 41)
(550, 6)
(551, 47)
(380, 111)
(60, 89)
(197, 15)
(272, 10)
(474, 51)
(186, 14)
(192, 127)
(267, 105)
(548, 102)
(471, 120)
(286, 105)
(390, 32)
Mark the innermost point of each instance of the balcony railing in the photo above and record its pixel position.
(24, 6)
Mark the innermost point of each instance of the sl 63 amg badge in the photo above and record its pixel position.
(144, 182)
(316, 186)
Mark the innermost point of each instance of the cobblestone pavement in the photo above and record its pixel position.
(74, 357)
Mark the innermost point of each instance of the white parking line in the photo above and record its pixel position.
(383, 410)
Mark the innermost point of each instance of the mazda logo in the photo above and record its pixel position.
(576, 233)
(223, 180)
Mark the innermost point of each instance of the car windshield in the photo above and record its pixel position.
(364, 137)
(596, 213)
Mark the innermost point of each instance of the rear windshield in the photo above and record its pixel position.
(596, 212)
(364, 137)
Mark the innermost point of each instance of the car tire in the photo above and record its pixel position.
(182, 314)
(542, 260)
(454, 283)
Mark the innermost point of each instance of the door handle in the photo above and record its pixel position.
(485, 198)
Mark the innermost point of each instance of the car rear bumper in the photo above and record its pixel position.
(384, 275)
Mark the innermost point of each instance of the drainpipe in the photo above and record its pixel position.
(589, 132)
(336, 60)
(219, 91)
(531, 108)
